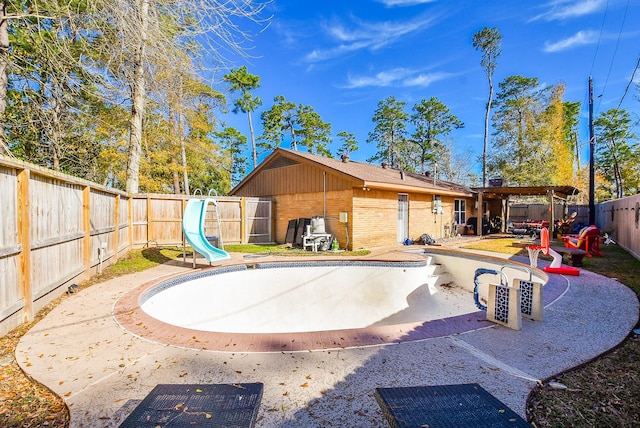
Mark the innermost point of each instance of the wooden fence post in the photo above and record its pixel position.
(86, 228)
(24, 239)
(243, 221)
(130, 222)
(116, 233)
(148, 208)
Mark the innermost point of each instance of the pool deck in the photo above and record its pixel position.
(103, 371)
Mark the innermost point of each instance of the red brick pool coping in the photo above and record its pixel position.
(129, 315)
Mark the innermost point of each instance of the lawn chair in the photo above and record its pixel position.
(588, 240)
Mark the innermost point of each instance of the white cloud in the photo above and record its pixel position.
(425, 80)
(566, 9)
(365, 35)
(383, 78)
(393, 3)
(581, 38)
(318, 55)
(396, 77)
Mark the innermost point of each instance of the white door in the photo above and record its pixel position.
(403, 217)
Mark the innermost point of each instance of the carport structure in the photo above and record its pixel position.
(503, 194)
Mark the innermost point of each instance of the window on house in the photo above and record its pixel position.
(460, 211)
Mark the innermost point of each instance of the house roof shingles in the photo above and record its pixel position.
(372, 176)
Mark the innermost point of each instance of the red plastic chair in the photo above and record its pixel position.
(587, 240)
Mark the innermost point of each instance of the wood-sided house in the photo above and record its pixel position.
(363, 205)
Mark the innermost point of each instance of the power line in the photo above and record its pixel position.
(615, 51)
(629, 84)
(595, 54)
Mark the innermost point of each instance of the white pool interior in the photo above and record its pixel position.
(294, 297)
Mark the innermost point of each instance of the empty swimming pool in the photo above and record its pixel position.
(303, 305)
(301, 297)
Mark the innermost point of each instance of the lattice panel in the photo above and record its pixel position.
(504, 306)
(531, 299)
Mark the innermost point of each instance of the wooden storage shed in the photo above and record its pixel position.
(363, 205)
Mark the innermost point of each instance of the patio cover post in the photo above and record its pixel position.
(504, 213)
(480, 214)
(551, 210)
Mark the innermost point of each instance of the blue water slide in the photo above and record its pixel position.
(193, 219)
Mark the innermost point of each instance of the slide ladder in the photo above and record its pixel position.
(193, 220)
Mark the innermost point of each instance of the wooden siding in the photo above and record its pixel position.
(302, 187)
(294, 179)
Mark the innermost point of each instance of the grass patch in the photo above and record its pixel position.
(511, 246)
(604, 392)
(137, 261)
(287, 250)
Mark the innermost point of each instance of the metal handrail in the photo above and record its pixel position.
(520, 268)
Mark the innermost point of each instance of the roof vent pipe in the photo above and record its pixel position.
(385, 165)
(345, 157)
(402, 175)
(435, 172)
(427, 173)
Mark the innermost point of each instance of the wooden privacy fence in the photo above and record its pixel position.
(620, 218)
(157, 220)
(523, 212)
(56, 229)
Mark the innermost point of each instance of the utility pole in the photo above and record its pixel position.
(575, 140)
(592, 204)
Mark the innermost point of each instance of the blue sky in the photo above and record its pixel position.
(342, 57)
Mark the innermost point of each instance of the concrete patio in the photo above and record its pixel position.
(102, 371)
